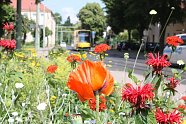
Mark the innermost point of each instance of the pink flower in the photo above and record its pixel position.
(137, 96)
(8, 44)
(157, 62)
(168, 118)
(172, 83)
(8, 26)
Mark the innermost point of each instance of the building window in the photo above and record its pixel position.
(25, 15)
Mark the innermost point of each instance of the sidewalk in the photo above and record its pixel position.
(123, 78)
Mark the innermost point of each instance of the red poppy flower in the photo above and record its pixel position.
(8, 44)
(174, 41)
(8, 26)
(90, 77)
(102, 104)
(52, 68)
(168, 118)
(73, 58)
(157, 62)
(101, 48)
(183, 98)
(173, 83)
(137, 96)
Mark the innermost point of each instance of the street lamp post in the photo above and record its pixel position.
(18, 25)
(37, 33)
(44, 42)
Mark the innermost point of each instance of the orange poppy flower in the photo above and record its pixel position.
(90, 77)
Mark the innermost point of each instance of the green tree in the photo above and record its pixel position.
(68, 22)
(58, 18)
(5, 1)
(7, 14)
(92, 18)
(27, 26)
(132, 14)
(48, 32)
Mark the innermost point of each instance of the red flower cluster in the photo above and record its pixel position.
(137, 97)
(182, 107)
(168, 118)
(102, 104)
(174, 41)
(173, 83)
(52, 68)
(8, 26)
(101, 48)
(183, 98)
(73, 58)
(8, 44)
(157, 62)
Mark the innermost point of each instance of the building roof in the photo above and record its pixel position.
(30, 6)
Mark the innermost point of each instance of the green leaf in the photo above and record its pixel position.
(151, 118)
(131, 76)
(174, 71)
(138, 119)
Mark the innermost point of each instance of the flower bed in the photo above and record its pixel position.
(69, 88)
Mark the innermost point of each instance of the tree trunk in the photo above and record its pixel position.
(24, 38)
(129, 35)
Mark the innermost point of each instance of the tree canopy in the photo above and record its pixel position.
(92, 18)
(68, 22)
(7, 15)
(58, 18)
(134, 14)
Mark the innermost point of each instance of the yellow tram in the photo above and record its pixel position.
(82, 39)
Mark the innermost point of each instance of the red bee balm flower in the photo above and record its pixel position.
(173, 83)
(101, 48)
(137, 96)
(90, 77)
(73, 58)
(8, 44)
(168, 118)
(174, 41)
(8, 26)
(52, 68)
(102, 104)
(157, 62)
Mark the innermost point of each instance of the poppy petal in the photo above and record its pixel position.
(98, 74)
(76, 84)
(109, 85)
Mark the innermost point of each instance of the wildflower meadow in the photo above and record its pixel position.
(67, 88)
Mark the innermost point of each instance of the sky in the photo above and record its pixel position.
(69, 7)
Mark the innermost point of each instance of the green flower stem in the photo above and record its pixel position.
(125, 75)
(97, 108)
(168, 102)
(5, 106)
(137, 57)
(169, 60)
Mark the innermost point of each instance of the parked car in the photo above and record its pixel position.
(179, 53)
(63, 44)
(128, 46)
(152, 47)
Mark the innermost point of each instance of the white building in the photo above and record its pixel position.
(46, 18)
